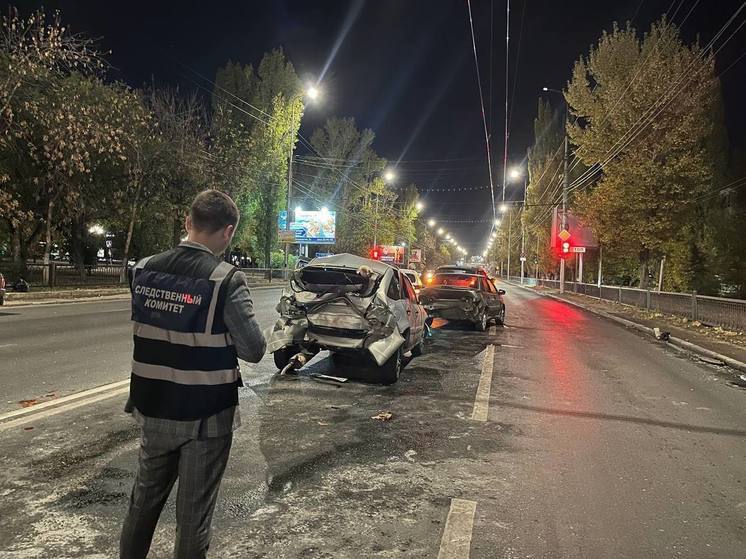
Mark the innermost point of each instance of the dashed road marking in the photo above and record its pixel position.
(456, 541)
(60, 405)
(482, 399)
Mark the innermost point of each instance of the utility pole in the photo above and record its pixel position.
(660, 276)
(375, 225)
(510, 226)
(289, 194)
(600, 265)
(565, 187)
(523, 229)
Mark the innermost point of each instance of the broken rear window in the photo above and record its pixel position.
(456, 280)
(331, 277)
(325, 280)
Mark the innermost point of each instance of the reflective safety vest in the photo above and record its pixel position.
(184, 365)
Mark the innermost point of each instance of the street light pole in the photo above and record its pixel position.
(289, 195)
(565, 184)
(523, 228)
(510, 226)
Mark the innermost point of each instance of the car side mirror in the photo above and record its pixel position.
(501, 291)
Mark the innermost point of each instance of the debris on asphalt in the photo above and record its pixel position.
(710, 360)
(383, 416)
(661, 335)
(28, 403)
(410, 454)
(328, 377)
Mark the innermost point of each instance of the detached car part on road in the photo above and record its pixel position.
(353, 305)
(469, 297)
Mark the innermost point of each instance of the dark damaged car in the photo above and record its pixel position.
(351, 305)
(464, 297)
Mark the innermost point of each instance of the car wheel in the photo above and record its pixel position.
(419, 348)
(481, 323)
(390, 369)
(282, 356)
(500, 320)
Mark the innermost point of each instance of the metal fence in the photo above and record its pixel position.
(713, 311)
(60, 275)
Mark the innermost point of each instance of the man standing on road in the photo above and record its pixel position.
(193, 316)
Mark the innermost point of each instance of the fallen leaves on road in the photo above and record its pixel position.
(33, 401)
(383, 416)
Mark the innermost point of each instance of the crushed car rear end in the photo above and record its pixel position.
(337, 303)
(454, 297)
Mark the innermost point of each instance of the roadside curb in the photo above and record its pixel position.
(672, 341)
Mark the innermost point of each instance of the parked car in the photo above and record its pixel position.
(468, 297)
(414, 278)
(351, 305)
(2, 289)
(455, 269)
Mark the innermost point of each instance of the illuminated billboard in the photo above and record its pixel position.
(315, 227)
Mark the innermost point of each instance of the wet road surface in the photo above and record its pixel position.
(597, 443)
(59, 349)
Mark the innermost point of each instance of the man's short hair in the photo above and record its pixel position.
(213, 210)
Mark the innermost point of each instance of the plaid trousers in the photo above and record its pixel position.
(199, 465)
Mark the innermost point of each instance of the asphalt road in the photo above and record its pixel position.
(597, 443)
(59, 349)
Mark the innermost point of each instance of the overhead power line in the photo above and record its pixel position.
(484, 115)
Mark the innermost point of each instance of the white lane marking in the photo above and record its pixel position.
(7, 345)
(456, 541)
(61, 409)
(58, 401)
(482, 399)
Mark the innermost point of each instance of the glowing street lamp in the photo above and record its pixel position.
(441, 231)
(431, 222)
(497, 223)
(419, 206)
(389, 175)
(515, 173)
(313, 93)
(503, 208)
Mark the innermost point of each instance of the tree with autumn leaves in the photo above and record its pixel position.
(648, 123)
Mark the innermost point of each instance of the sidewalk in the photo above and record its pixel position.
(40, 296)
(692, 336)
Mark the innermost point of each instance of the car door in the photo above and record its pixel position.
(417, 312)
(399, 302)
(490, 297)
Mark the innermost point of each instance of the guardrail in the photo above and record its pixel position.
(714, 311)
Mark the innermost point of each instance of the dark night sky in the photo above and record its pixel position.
(405, 68)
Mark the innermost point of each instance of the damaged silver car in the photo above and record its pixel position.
(348, 304)
(467, 297)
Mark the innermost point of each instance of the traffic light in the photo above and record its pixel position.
(565, 247)
(375, 254)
